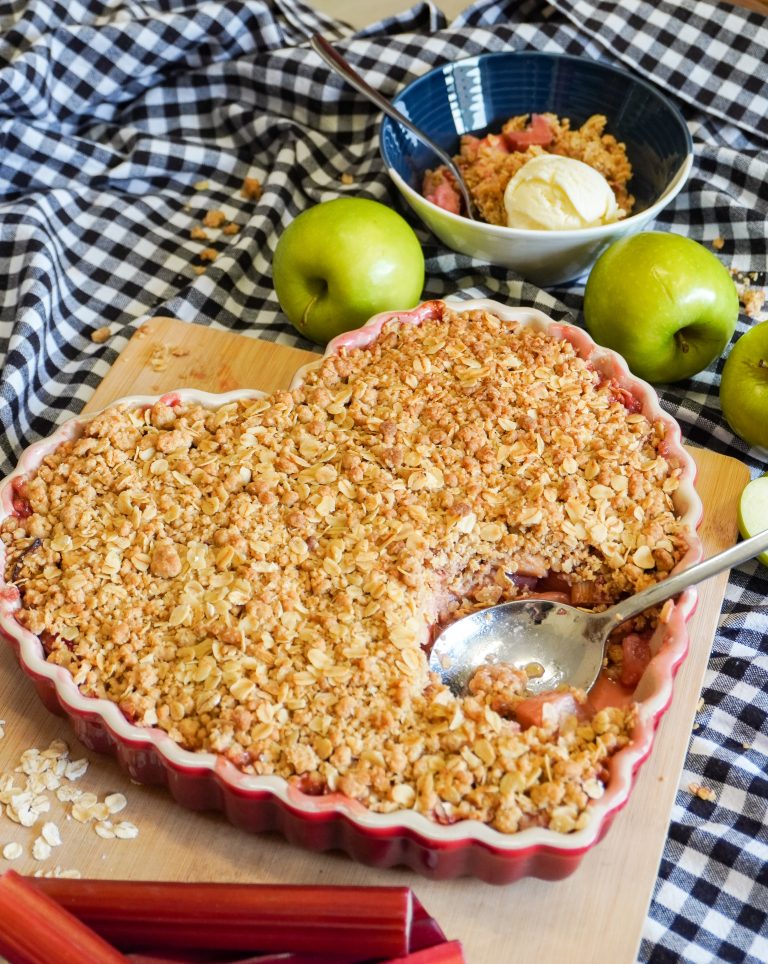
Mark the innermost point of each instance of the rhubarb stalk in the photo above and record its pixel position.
(372, 922)
(34, 929)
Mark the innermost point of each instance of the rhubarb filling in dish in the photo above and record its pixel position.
(262, 580)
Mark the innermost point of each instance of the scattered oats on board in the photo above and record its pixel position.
(45, 776)
(50, 834)
(58, 872)
(13, 850)
(41, 849)
(158, 361)
(115, 802)
(126, 830)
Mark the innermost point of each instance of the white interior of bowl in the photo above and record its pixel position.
(657, 682)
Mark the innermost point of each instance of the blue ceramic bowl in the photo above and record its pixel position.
(480, 93)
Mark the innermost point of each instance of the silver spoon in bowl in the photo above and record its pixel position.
(336, 62)
(567, 644)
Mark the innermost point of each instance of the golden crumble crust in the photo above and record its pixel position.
(260, 580)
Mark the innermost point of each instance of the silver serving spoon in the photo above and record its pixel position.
(336, 62)
(566, 643)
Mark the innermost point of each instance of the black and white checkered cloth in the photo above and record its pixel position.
(122, 122)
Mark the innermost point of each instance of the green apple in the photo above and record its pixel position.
(340, 262)
(753, 511)
(744, 386)
(664, 302)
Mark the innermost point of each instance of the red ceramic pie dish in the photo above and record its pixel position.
(202, 781)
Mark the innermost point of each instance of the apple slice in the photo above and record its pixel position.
(753, 511)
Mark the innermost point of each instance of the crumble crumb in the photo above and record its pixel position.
(201, 185)
(198, 234)
(718, 243)
(753, 300)
(214, 219)
(208, 254)
(159, 360)
(231, 228)
(251, 188)
(100, 335)
(347, 178)
(703, 793)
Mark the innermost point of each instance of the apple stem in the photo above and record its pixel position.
(682, 343)
(305, 316)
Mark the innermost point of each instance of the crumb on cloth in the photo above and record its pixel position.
(702, 792)
(751, 295)
(214, 219)
(251, 188)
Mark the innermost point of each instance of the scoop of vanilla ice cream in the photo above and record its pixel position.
(554, 193)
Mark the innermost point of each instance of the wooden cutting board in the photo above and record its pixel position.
(594, 916)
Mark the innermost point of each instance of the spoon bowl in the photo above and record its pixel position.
(557, 644)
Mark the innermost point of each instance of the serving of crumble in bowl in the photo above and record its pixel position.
(496, 110)
(235, 594)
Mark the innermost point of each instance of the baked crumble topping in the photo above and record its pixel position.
(261, 581)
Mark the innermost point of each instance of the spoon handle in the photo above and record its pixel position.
(336, 62)
(634, 605)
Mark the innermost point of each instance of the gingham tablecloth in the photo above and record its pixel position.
(123, 122)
